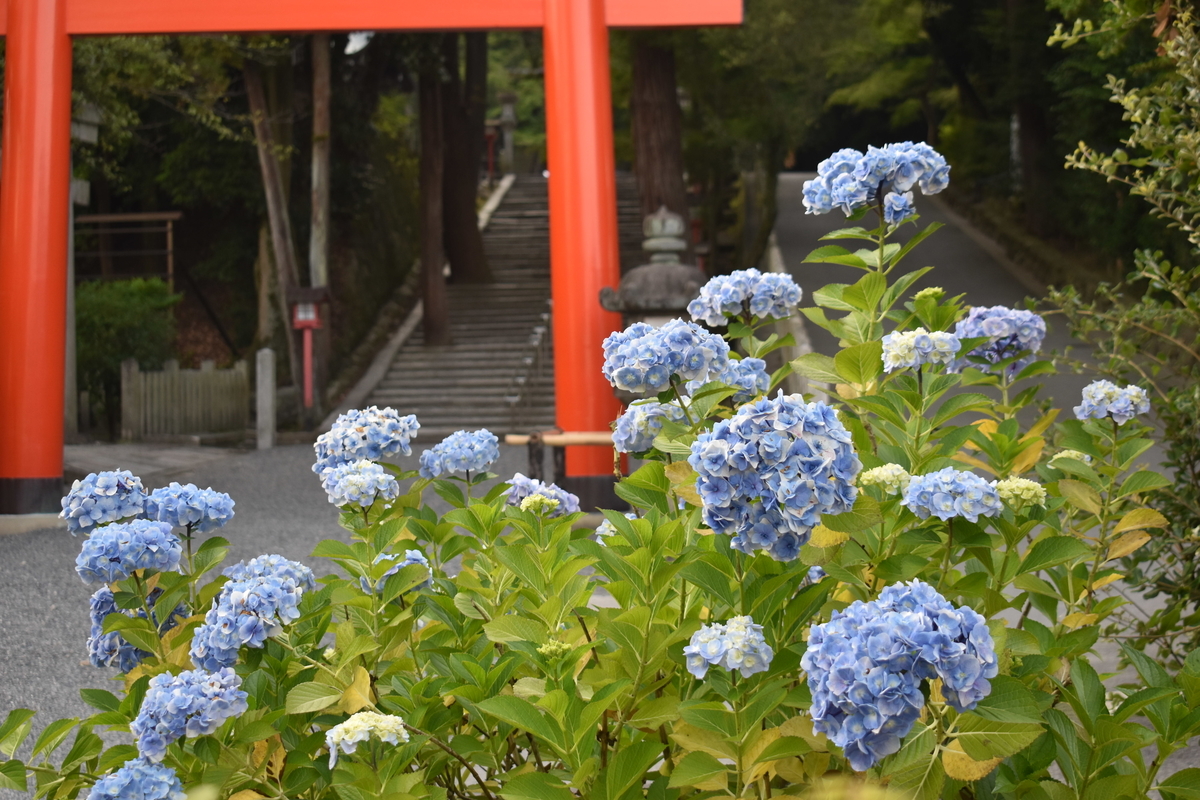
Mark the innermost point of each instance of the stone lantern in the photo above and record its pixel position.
(661, 290)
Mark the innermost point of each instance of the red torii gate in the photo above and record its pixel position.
(35, 189)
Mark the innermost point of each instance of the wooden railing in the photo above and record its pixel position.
(175, 402)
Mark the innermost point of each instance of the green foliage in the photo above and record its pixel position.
(533, 662)
(116, 320)
(1147, 328)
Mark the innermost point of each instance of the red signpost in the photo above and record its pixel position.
(36, 157)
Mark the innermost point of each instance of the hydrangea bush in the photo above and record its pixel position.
(902, 581)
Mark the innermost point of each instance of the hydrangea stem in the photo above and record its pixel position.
(946, 558)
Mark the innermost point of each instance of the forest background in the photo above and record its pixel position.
(799, 79)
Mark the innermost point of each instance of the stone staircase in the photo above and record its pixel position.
(499, 371)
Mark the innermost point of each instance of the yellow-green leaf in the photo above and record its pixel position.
(1079, 494)
(1139, 519)
(358, 694)
(825, 537)
(1127, 544)
(961, 767)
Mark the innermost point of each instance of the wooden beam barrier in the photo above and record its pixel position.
(554, 439)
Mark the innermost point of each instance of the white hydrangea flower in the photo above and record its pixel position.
(1072, 454)
(360, 728)
(892, 478)
(1021, 492)
(539, 504)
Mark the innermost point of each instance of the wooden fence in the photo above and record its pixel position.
(180, 402)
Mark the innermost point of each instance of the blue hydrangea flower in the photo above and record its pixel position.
(139, 779)
(898, 207)
(371, 433)
(918, 347)
(192, 703)
(111, 649)
(605, 529)
(410, 557)
(865, 667)
(748, 374)
(102, 497)
(767, 474)
(359, 483)
(851, 180)
(254, 606)
(641, 422)
(272, 565)
(760, 294)
(113, 552)
(643, 358)
(1105, 399)
(1011, 331)
(814, 575)
(523, 487)
(200, 510)
(950, 493)
(737, 644)
(461, 451)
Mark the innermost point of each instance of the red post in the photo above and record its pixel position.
(33, 254)
(584, 254)
(308, 368)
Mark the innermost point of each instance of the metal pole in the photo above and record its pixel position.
(584, 254)
(34, 198)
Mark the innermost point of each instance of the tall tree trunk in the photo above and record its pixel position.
(318, 240)
(264, 271)
(436, 318)
(1028, 85)
(280, 223)
(464, 105)
(657, 129)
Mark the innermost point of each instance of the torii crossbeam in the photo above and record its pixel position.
(35, 189)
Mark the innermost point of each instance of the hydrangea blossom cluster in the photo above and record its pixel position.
(865, 667)
(1021, 492)
(192, 703)
(1010, 331)
(461, 451)
(642, 421)
(199, 510)
(605, 529)
(523, 487)
(737, 644)
(102, 497)
(410, 557)
(111, 649)
(950, 493)
(851, 180)
(749, 375)
(251, 608)
(643, 358)
(767, 474)
(372, 433)
(361, 727)
(1074, 455)
(762, 294)
(1105, 399)
(139, 779)
(359, 483)
(918, 347)
(891, 478)
(272, 564)
(116, 551)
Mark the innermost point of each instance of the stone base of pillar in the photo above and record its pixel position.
(30, 495)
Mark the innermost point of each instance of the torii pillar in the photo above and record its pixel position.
(35, 177)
